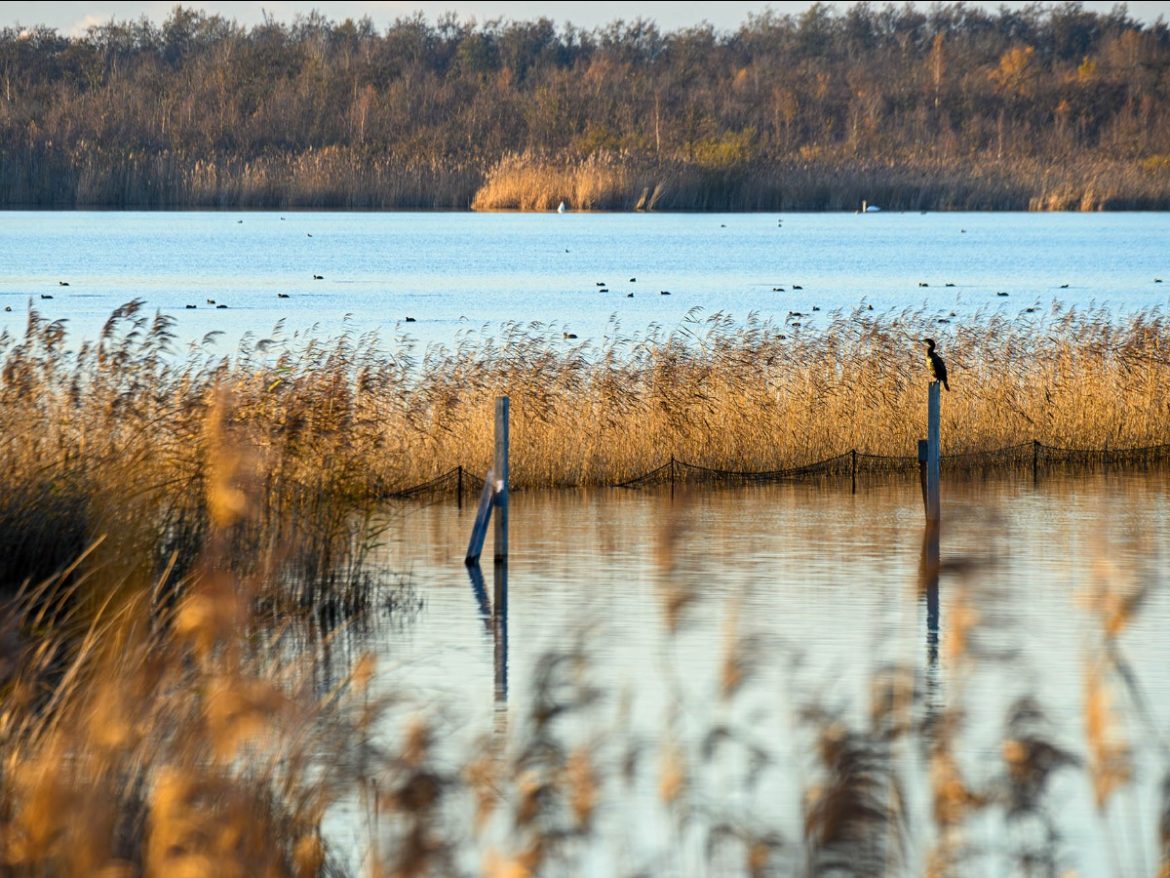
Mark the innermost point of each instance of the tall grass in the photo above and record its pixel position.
(819, 182)
(337, 423)
(339, 176)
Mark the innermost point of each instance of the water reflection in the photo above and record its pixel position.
(494, 615)
(928, 569)
(842, 584)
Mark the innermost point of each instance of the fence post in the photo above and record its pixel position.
(482, 515)
(933, 504)
(459, 489)
(501, 476)
(672, 477)
(853, 469)
(1035, 462)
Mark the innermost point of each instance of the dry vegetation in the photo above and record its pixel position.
(157, 720)
(608, 182)
(336, 424)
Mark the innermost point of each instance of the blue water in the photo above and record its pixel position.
(457, 271)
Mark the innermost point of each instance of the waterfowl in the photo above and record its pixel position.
(190, 307)
(211, 301)
(220, 307)
(1001, 293)
(411, 320)
(797, 287)
(1064, 286)
(283, 296)
(629, 295)
(923, 284)
(633, 280)
(664, 292)
(604, 290)
(45, 296)
(938, 369)
(569, 335)
(62, 283)
(318, 277)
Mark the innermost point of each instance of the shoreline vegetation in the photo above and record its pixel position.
(946, 108)
(324, 430)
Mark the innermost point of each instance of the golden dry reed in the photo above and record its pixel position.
(718, 180)
(355, 417)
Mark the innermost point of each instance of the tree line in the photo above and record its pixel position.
(947, 107)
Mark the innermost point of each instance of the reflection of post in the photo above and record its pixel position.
(500, 629)
(922, 457)
(479, 589)
(928, 569)
(932, 454)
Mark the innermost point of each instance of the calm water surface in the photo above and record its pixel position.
(458, 271)
(813, 574)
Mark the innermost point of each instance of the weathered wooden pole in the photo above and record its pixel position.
(501, 477)
(933, 504)
(1035, 462)
(482, 515)
(460, 487)
(853, 469)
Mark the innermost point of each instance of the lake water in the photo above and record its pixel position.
(808, 573)
(459, 271)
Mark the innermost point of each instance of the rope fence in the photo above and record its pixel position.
(850, 464)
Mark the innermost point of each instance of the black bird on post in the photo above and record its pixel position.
(938, 369)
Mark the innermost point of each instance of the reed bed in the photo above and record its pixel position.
(339, 176)
(608, 181)
(334, 426)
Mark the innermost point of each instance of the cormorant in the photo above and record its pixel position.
(938, 369)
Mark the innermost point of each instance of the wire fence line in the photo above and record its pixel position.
(851, 464)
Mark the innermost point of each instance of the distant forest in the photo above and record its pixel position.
(951, 107)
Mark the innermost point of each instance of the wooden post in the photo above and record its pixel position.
(853, 469)
(1035, 462)
(501, 478)
(482, 515)
(672, 477)
(460, 487)
(922, 455)
(933, 504)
